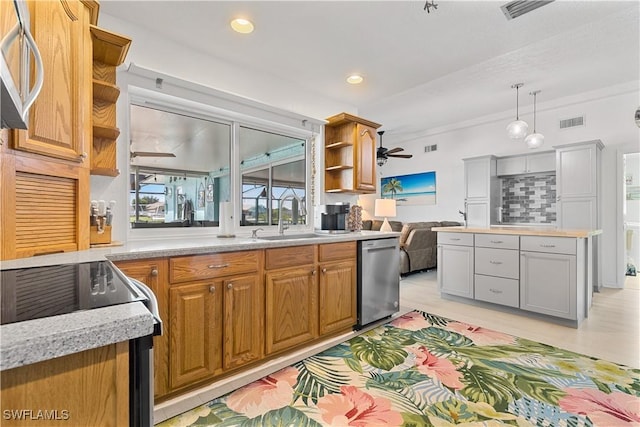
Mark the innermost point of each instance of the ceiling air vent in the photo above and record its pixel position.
(517, 8)
(430, 148)
(572, 122)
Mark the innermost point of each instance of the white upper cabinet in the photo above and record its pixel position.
(477, 177)
(529, 163)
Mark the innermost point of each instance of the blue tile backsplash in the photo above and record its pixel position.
(529, 198)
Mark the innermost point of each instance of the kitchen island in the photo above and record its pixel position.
(539, 271)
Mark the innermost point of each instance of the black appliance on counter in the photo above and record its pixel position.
(38, 292)
(332, 218)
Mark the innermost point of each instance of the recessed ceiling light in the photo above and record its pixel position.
(242, 25)
(355, 79)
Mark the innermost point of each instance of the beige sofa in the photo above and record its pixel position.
(418, 243)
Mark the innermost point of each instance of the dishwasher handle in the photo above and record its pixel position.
(380, 248)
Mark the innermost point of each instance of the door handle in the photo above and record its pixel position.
(212, 289)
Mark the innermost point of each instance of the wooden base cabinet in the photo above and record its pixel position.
(90, 388)
(153, 273)
(292, 307)
(338, 309)
(196, 333)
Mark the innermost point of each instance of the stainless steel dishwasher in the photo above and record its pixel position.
(378, 279)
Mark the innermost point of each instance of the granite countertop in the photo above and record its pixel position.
(522, 231)
(36, 340)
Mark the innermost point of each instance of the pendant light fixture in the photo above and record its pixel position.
(517, 129)
(534, 140)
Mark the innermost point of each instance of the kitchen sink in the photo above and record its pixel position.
(292, 236)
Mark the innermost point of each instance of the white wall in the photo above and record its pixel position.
(609, 117)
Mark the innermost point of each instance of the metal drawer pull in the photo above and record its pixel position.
(547, 246)
(218, 266)
(495, 291)
(324, 270)
(313, 272)
(212, 289)
(154, 272)
(230, 286)
(496, 241)
(495, 262)
(454, 239)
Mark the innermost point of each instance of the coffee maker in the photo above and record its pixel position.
(332, 218)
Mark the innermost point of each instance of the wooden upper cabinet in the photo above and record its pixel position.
(59, 120)
(350, 154)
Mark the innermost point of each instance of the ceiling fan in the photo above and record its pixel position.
(382, 154)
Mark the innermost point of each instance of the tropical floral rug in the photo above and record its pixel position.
(425, 370)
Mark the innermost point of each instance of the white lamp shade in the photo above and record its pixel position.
(534, 140)
(385, 207)
(517, 129)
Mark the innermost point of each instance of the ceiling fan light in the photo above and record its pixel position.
(534, 140)
(517, 129)
(381, 161)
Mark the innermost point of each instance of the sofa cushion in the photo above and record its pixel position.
(409, 226)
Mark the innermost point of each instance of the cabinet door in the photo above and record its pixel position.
(576, 171)
(455, 270)
(511, 165)
(153, 273)
(292, 307)
(196, 334)
(365, 168)
(478, 214)
(477, 175)
(548, 284)
(337, 296)
(541, 162)
(60, 118)
(577, 213)
(243, 320)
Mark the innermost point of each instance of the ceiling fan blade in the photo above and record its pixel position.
(395, 150)
(402, 156)
(150, 154)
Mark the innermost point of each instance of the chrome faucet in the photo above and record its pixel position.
(301, 209)
(464, 215)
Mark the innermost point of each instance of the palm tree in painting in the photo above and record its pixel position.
(393, 186)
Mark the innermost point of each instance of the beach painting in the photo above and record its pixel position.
(413, 189)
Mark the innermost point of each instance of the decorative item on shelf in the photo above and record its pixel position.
(534, 140)
(517, 129)
(387, 209)
(382, 154)
(354, 220)
(100, 222)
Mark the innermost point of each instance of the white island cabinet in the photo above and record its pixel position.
(524, 270)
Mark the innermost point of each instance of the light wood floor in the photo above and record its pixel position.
(611, 332)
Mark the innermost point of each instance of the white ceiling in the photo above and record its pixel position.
(422, 70)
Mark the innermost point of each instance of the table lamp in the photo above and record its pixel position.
(385, 208)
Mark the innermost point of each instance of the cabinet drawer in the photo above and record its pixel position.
(497, 262)
(461, 239)
(291, 256)
(337, 251)
(497, 290)
(198, 267)
(498, 241)
(555, 245)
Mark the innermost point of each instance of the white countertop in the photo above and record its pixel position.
(522, 231)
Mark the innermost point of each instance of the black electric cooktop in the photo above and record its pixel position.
(37, 292)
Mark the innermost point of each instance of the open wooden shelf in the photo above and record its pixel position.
(339, 144)
(105, 91)
(338, 168)
(105, 132)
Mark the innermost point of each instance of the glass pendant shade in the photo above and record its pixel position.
(517, 129)
(534, 140)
